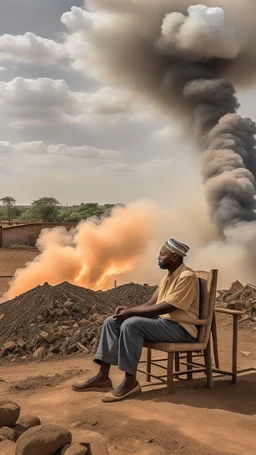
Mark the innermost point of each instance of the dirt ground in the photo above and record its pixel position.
(10, 261)
(194, 420)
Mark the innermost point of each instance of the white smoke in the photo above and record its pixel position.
(203, 34)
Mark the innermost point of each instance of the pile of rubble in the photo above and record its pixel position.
(239, 297)
(130, 295)
(27, 436)
(60, 320)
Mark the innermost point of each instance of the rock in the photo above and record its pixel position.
(82, 347)
(47, 336)
(70, 349)
(21, 343)
(245, 353)
(7, 432)
(7, 447)
(18, 431)
(24, 424)
(45, 439)
(2, 438)
(29, 421)
(77, 449)
(39, 352)
(10, 345)
(1, 316)
(9, 413)
(63, 449)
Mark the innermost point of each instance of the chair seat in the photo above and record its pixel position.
(175, 347)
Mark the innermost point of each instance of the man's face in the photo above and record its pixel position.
(166, 258)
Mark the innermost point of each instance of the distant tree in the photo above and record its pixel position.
(15, 212)
(45, 209)
(85, 211)
(8, 202)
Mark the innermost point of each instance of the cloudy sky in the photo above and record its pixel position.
(65, 134)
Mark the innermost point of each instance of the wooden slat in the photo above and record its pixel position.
(226, 311)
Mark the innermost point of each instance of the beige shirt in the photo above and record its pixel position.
(181, 290)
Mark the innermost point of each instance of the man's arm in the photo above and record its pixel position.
(180, 297)
(151, 301)
(145, 311)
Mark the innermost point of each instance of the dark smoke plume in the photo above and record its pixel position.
(186, 59)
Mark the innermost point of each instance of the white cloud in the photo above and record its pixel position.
(108, 101)
(31, 148)
(44, 99)
(5, 147)
(42, 92)
(60, 150)
(118, 167)
(77, 19)
(40, 100)
(168, 132)
(85, 152)
(30, 48)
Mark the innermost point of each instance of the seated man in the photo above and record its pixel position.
(159, 319)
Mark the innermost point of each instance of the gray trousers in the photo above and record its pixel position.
(121, 343)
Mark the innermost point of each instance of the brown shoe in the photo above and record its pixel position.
(105, 386)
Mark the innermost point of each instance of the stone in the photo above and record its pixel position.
(29, 421)
(39, 352)
(45, 439)
(2, 438)
(1, 316)
(77, 449)
(63, 450)
(70, 349)
(245, 353)
(9, 413)
(69, 322)
(7, 432)
(21, 343)
(47, 336)
(10, 345)
(18, 431)
(82, 347)
(7, 447)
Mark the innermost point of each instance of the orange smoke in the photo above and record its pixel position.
(91, 255)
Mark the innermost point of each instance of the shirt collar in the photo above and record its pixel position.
(176, 272)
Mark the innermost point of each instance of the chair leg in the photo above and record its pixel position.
(170, 383)
(189, 360)
(149, 355)
(208, 365)
(234, 348)
(215, 342)
(177, 361)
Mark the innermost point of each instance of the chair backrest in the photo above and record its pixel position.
(208, 288)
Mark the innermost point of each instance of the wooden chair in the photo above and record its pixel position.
(208, 287)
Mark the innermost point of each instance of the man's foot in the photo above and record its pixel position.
(123, 391)
(125, 387)
(93, 384)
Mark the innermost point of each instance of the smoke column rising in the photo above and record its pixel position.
(178, 60)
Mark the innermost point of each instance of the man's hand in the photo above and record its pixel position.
(119, 309)
(123, 314)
